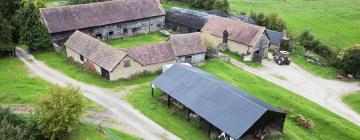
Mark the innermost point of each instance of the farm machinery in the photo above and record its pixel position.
(281, 57)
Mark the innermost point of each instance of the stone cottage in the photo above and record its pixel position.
(104, 20)
(184, 20)
(245, 39)
(188, 48)
(113, 64)
(278, 39)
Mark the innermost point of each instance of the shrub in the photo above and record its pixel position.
(307, 123)
(272, 21)
(349, 60)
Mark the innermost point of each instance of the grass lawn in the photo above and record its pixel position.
(328, 125)
(53, 3)
(323, 71)
(138, 40)
(353, 100)
(76, 71)
(241, 58)
(17, 85)
(335, 22)
(88, 131)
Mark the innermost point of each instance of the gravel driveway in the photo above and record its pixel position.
(324, 92)
(131, 119)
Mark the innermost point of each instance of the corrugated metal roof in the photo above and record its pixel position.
(230, 109)
(186, 17)
(73, 17)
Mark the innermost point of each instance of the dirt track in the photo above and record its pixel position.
(132, 121)
(324, 92)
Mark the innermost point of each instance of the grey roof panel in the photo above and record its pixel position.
(275, 37)
(226, 107)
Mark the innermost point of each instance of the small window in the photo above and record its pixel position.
(188, 59)
(134, 30)
(126, 63)
(98, 36)
(125, 30)
(158, 25)
(82, 58)
(111, 33)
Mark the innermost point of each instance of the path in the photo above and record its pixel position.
(133, 121)
(324, 92)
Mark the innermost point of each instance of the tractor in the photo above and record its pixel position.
(281, 57)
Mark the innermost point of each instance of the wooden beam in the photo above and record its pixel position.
(209, 129)
(168, 101)
(152, 91)
(187, 114)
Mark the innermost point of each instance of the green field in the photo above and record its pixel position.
(353, 100)
(335, 22)
(88, 131)
(60, 62)
(18, 85)
(328, 125)
(138, 40)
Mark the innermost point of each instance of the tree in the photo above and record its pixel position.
(274, 22)
(208, 4)
(58, 112)
(7, 46)
(349, 60)
(222, 5)
(33, 32)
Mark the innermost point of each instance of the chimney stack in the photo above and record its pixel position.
(284, 44)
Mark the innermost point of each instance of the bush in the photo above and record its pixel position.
(59, 111)
(308, 41)
(349, 60)
(272, 21)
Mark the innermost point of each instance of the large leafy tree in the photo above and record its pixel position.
(58, 112)
(33, 32)
(8, 25)
(349, 60)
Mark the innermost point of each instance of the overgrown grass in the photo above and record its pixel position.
(17, 85)
(328, 125)
(353, 100)
(138, 40)
(322, 71)
(88, 131)
(60, 62)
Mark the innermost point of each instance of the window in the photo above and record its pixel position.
(188, 59)
(82, 58)
(134, 30)
(125, 30)
(126, 63)
(111, 33)
(98, 36)
(158, 25)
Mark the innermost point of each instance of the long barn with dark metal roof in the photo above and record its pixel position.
(104, 20)
(185, 20)
(231, 110)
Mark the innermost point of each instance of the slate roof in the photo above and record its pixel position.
(228, 108)
(151, 54)
(187, 44)
(72, 17)
(244, 18)
(186, 17)
(94, 50)
(275, 37)
(239, 31)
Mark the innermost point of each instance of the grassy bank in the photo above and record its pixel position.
(60, 62)
(138, 40)
(322, 71)
(327, 124)
(241, 59)
(88, 131)
(18, 85)
(353, 100)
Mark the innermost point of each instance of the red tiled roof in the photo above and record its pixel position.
(187, 44)
(239, 31)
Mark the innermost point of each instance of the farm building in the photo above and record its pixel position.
(188, 48)
(113, 64)
(277, 39)
(184, 20)
(104, 20)
(226, 109)
(245, 39)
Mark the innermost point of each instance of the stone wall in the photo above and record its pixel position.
(117, 30)
(181, 28)
(263, 45)
(196, 59)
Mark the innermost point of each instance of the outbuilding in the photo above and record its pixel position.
(226, 108)
(185, 20)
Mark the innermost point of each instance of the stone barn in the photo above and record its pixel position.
(104, 20)
(113, 64)
(278, 39)
(239, 37)
(188, 48)
(184, 20)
